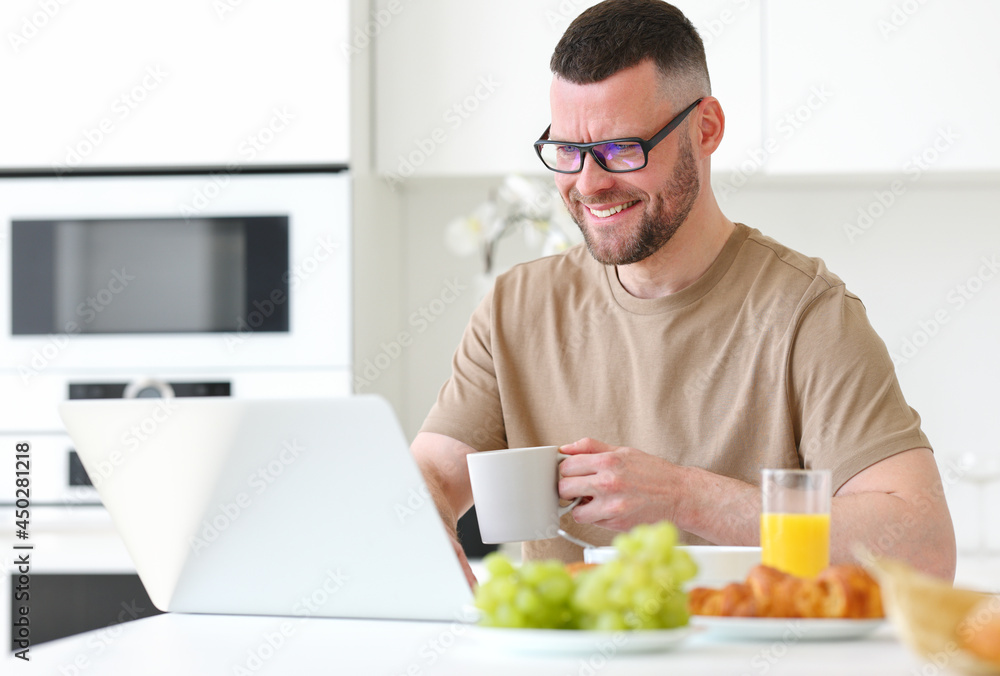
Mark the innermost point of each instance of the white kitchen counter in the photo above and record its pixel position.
(191, 645)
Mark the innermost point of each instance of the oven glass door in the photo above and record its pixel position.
(148, 275)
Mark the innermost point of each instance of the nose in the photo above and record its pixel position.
(592, 178)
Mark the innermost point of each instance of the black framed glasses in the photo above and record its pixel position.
(618, 155)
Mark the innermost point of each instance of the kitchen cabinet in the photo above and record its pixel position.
(890, 86)
(462, 87)
(232, 83)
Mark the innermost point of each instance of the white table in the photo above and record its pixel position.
(191, 645)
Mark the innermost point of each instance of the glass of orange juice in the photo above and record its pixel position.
(795, 520)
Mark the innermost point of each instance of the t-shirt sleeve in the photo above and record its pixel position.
(468, 406)
(850, 409)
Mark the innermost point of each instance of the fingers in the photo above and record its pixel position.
(586, 513)
(575, 467)
(594, 512)
(573, 488)
(586, 445)
(470, 577)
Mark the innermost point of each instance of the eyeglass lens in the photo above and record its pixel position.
(613, 156)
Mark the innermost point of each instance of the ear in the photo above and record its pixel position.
(711, 125)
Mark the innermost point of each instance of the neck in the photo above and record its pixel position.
(682, 260)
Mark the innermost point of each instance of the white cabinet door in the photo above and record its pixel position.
(891, 86)
(730, 30)
(462, 87)
(180, 83)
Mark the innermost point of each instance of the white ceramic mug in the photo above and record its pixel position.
(516, 493)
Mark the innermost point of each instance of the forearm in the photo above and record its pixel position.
(919, 530)
(895, 507)
(720, 509)
(442, 463)
(441, 501)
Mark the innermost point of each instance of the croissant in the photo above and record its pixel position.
(850, 593)
(733, 600)
(781, 595)
(838, 592)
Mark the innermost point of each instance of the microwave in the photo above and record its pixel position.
(209, 282)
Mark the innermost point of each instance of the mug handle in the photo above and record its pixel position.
(576, 501)
(570, 506)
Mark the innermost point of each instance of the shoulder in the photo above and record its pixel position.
(776, 270)
(788, 263)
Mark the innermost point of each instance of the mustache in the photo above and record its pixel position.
(605, 197)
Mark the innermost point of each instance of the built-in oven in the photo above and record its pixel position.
(146, 280)
(182, 284)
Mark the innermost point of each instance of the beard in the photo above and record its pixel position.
(664, 214)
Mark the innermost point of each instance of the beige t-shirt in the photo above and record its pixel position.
(766, 361)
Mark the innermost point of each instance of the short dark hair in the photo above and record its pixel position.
(618, 34)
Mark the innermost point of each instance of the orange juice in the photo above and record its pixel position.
(798, 544)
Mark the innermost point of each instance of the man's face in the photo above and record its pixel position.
(625, 217)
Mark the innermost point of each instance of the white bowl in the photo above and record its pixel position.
(717, 565)
(599, 554)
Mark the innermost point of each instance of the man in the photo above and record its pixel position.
(684, 353)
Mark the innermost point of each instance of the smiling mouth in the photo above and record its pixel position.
(604, 213)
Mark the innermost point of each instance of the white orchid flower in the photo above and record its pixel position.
(531, 205)
(463, 236)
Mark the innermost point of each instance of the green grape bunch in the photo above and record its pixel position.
(643, 588)
(537, 595)
(640, 589)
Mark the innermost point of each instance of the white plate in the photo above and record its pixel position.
(578, 642)
(784, 629)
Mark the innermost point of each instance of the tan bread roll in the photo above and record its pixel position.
(845, 591)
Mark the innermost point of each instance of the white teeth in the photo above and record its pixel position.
(613, 210)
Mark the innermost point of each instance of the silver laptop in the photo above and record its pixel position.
(298, 507)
